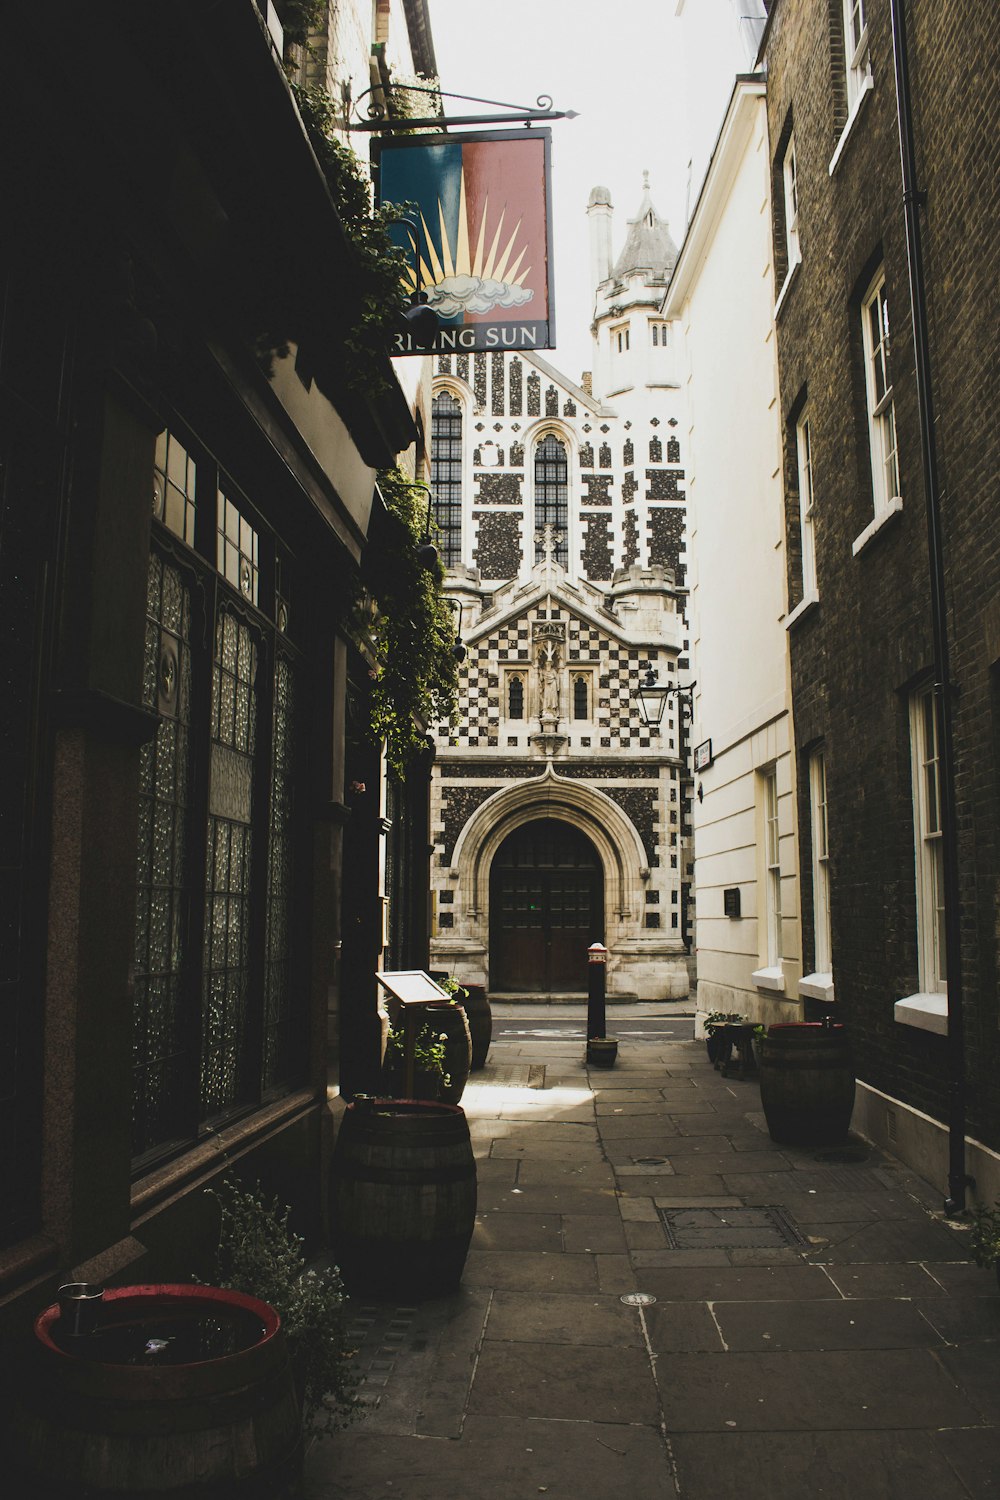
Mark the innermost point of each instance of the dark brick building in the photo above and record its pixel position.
(861, 638)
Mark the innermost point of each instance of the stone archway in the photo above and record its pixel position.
(546, 907)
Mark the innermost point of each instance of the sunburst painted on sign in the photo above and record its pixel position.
(459, 280)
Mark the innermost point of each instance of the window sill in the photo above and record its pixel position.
(817, 987)
(882, 517)
(780, 302)
(927, 1012)
(865, 90)
(772, 978)
(805, 606)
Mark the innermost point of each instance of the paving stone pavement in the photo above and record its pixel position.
(815, 1329)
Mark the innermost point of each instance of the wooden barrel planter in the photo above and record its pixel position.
(181, 1391)
(477, 1009)
(404, 1197)
(807, 1083)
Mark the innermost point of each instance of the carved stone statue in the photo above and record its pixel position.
(548, 660)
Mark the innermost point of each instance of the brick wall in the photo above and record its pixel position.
(857, 655)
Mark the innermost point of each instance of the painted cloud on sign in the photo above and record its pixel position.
(474, 294)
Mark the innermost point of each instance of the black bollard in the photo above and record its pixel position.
(597, 961)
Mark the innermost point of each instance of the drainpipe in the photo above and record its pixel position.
(913, 200)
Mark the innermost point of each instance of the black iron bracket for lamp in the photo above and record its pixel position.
(459, 650)
(683, 693)
(517, 113)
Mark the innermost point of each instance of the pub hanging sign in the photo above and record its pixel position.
(477, 235)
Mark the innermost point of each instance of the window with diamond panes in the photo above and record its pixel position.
(163, 1042)
(552, 497)
(446, 476)
(216, 1024)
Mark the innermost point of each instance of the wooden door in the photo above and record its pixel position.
(546, 908)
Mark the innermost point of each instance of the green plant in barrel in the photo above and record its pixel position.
(260, 1255)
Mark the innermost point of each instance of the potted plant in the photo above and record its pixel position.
(984, 1241)
(259, 1255)
(430, 1072)
(454, 1022)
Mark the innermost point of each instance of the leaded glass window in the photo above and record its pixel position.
(552, 497)
(446, 476)
(218, 1021)
(174, 477)
(161, 1039)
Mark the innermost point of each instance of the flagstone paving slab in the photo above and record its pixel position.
(883, 1281)
(808, 1391)
(732, 1284)
(530, 1271)
(837, 1324)
(569, 1318)
(505, 1231)
(497, 1458)
(966, 1320)
(904, 1240)
(564, 1382)
(814, 1466)
(592, 1233)
(549, 1198)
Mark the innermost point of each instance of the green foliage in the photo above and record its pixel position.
(259, 1255)
(382, 296)
(299, 17)
(719, 1018)
(452, 987)
(428, 1051)
(984, 1242)
(416, 674)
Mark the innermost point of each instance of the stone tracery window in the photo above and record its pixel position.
(552, 496)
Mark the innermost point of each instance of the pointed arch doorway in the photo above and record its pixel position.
(546, 908)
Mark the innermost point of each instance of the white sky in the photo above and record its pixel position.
(618, 63)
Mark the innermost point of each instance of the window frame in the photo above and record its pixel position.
(820, 838)
(541, 499)
(790, 201)
(448, 509)
(928, 842)
(771, 803)
(807, 505)
(879, 401)
(857, 56)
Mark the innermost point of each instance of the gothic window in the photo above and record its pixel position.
(552, 496)
(446, 475)
(581, 698)
(515, 698)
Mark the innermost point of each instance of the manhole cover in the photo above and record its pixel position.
(637, 1299)
(650, 1161)
(729, 1228)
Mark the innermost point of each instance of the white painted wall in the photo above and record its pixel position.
(723, 294)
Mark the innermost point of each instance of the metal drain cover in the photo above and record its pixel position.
(729, 1228)
(637, 1299)
(650, 1161)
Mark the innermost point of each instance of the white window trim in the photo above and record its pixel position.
(858, 59)
(819, 820)
(770, 904)
(785, 285)
(789, 180)
(866, 88)
(926, 1012)
(930, 959)
(807, 506)
(804, 607)
(874, 526)
(817, 986)
(879, 408)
